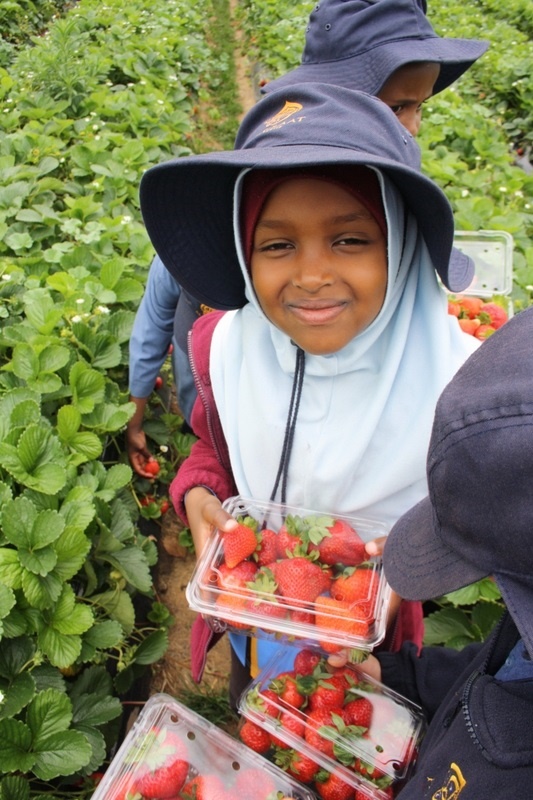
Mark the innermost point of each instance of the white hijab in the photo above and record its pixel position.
(366, 412)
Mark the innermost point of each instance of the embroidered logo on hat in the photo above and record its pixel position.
(288, 110)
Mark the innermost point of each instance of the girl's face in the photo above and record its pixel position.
(407, 90)
(319, 264)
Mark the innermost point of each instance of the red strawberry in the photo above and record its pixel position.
(493, 314)
(334, 788)
(296, 764)
(204, 787)
(300, 579)
(469, 325)
(238, 544)
(163, 782)
(236, 578)
(152, 466)
(386, 793)
(255, 737)
(267, 550)
(268, 702)
(336, 617)
(305, 662)
(253, 784)
(358, 712)
(228, 605)
(301, 617)
(329, 693)
(359, 587)
(319, 724)
(291, 537)
(337, 543)
(470, 306)
(286, 688)
(292, 723)
(483, 331)
(454, 308)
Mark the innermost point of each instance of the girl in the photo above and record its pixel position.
(325, 237)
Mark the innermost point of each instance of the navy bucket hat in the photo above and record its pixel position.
(187, 203)
(358, 44)
(478, 518)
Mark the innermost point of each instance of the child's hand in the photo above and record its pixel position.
(370, 666)
(205, 513)
(375, 547)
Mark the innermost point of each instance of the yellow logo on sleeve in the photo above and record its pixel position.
(453, 786)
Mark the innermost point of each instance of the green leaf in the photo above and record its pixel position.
(132, 564)
(119, 606)
(28, 529)
(71, 549)
(445, 624)
(152, 648)
(87, 387)
(94, 710)
(15, 787)
(7, 600)
(61, 754)
(14, 655)
(41, 592)
(104, 635)
(69, 617)
(17, 695)
(117, 476)
(43, 315)
(10, 568)
(15, 746)
(39, 562)
(61, 650)
(25, 362)
(49, 713)
(38, 462)
(68, 422)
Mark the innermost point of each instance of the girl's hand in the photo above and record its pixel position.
(205, 513)
(370, 666)
(375, 547)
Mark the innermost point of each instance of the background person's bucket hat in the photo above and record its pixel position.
(187, 203)
(358, 44)
(478, 518)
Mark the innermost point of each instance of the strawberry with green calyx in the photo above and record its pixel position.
(263, 600)
(483, 331)
(493, 314)
(287, 687)
(331, 787)
(296, 764)
(165, 782)
(324, 727)
(358, 712)
(470, 306)
(239, 543)
(328, 692)
(236, 578)
(359, 587)
(292, 537)
(335, 542)
(299, 579)
(291, 722)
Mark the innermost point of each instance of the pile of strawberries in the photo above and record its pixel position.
(312, 574)
(316, 723)
(476, 317)
(164, 767)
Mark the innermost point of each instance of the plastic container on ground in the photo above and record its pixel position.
(369, 738)
(172, 752)
(308, 581)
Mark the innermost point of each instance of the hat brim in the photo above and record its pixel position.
(368, 71)
(517, 593)
(417, 565)
(201, 187)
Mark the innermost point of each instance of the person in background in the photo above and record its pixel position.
(476, 522)
(384, 47)
(324, 234)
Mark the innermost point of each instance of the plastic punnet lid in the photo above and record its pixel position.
(492, 254)
(171, 751)
(349, 724)
(306, 577)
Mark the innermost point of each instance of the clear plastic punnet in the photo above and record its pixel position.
(298, 574)
(351, 726)
(492, 254)
(172, 752)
